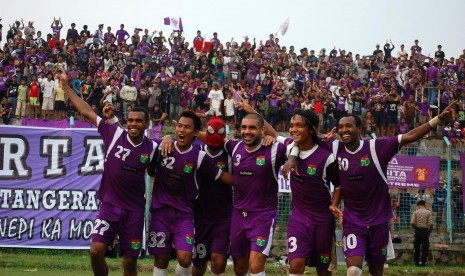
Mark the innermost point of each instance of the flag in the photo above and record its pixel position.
(181, 28)
(284, 27)
(202, 46)
(311, 169)
(173, 22)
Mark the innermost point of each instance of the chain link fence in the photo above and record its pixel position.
(404, 200)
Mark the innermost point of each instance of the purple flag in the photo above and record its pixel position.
(419, 172)
(181, 28)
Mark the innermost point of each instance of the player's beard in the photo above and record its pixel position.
(252, 143)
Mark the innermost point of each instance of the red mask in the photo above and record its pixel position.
(216, 132)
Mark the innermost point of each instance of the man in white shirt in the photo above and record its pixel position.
(129, 95)
(216, 99)
(48, 88)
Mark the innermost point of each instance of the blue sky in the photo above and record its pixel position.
(355, 26)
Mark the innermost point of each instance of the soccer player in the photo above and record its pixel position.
(213, 208)
(255, 171)
(128, 154)
(362, 174)
(175, 189)
(310, 230)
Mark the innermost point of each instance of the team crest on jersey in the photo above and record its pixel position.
(135, 244)
(260, 161)
(261, 241)
(324, 258)
(311, 169)
(365, 161)
(221, 166)
(143, 158)
(188, 168)
(384, 250)
(189, 239)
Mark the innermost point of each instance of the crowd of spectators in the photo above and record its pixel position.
(167, 74)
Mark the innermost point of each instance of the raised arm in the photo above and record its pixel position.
(269, 130)
(79, 103)
(422, 130)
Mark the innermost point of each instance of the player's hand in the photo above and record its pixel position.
(63, 78)
(108, 111)
(245, 106)
(268, 141)
(337, 213)
(448, 111)
(167, 145)
(290, 165)
(330, 135)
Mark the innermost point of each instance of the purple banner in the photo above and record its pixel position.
(48, 186)
(419, 172)
(462, 167)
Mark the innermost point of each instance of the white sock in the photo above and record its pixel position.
(258, 274)
(159, 272)
(181, 271)
(295, 274)
(354, 271)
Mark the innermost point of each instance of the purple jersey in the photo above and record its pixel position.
(214, 204)
(362, 175)
(123, 179)
(255, 175)
(120, 35)
(56, 30)
(178, 176)
(311, 196)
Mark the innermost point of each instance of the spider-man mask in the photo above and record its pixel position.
(216, 132)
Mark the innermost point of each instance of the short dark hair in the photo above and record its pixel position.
(421, 203)
(194, 117)
(257, 117)
(141, 109)
(358, 121)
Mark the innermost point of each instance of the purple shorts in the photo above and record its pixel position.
(368, 241)
(252, 231)
(129, 225)
(170, 228)
(310, 241)
(209, 239)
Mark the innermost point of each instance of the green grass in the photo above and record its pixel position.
(65, 262)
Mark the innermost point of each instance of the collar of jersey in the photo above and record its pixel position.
(209, 154)
(255, 149)
(357, 150)
(176, 147)
(306, 153)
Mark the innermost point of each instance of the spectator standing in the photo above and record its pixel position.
(422, 222)
(404, 201)
(439, 203)
(22, 99)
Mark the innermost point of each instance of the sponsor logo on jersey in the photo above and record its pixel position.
(221, 166)
(365, 161)
(144, 157)
(188, 168)
(311, 169)
(246, 173)
(260, 161)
